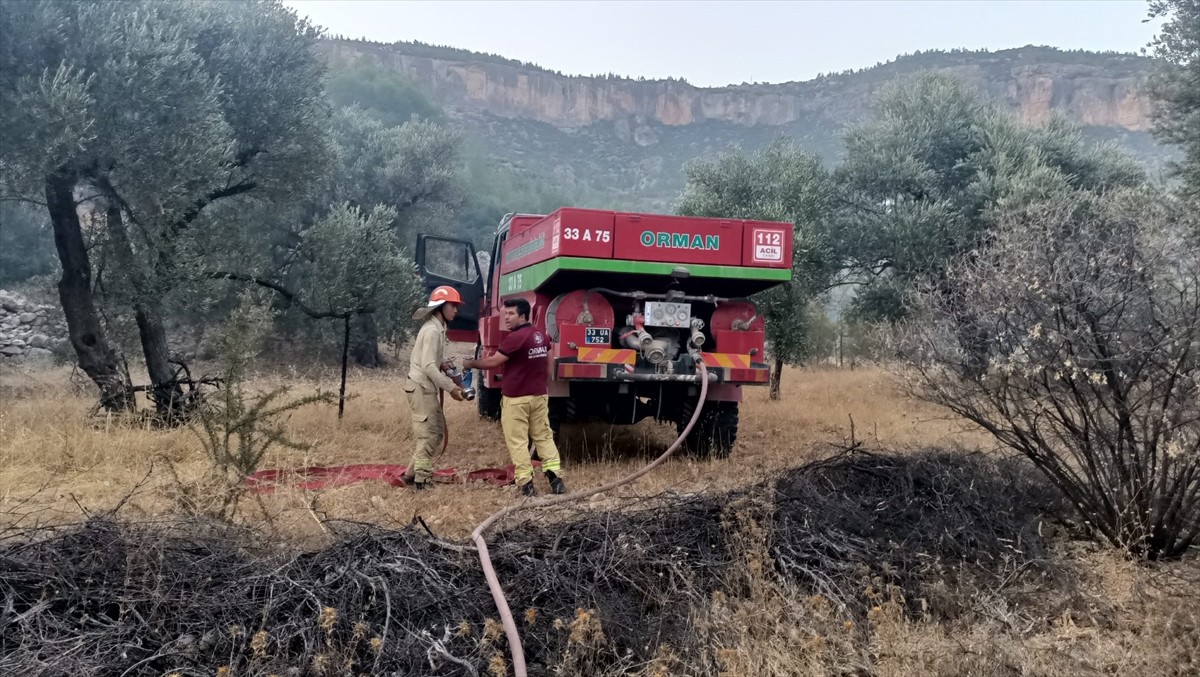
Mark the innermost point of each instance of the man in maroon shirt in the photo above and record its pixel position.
(525, 412)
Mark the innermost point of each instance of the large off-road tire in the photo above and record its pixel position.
(715, 432)
(561, 410)
(488, 400)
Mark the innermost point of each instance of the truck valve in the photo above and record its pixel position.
(655, 353)
(637, 337)
(697, 338)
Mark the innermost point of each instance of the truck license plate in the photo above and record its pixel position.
(597, 336)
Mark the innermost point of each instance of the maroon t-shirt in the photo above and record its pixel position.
(528, 352)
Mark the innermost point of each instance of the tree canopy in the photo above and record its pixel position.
(778, 183)
(923, 177)
(1176, 86)
(199, 140)
(150, 114)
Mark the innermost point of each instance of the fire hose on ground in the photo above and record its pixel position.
(319, 477)
(489, 571)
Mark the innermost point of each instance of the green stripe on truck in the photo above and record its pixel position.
(533, 276)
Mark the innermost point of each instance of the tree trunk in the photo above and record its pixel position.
(165, 392)
(841, 345)
(366, 341)
(345, 360)
(776, 375)
(168, 396)
(96, 355)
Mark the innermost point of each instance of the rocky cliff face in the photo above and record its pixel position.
(1099, 90)
(626, 141)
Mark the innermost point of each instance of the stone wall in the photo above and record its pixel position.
(30, 332)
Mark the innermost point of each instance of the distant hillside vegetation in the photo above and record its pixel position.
(617, 141)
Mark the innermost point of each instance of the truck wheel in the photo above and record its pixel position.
(561, 410)
(489, 403)
(715, 432)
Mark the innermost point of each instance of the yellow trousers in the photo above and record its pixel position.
(523, 419)
(429, 429)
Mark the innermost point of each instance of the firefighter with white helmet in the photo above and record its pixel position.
(426, 378)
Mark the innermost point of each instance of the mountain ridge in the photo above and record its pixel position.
(629, 136)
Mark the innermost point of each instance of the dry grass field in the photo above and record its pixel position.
(1111, 617)
(57, 460)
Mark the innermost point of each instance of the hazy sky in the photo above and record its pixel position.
(718, 43)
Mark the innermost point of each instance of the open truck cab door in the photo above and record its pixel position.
(446, 261)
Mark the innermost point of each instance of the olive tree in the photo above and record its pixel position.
(1073, 337)
(1176, 86)
(346, 265)
(351, 265)
(780, 182)
(922, 177)
(412, 168)
(150, 112)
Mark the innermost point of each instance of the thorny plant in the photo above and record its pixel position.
(237, 428)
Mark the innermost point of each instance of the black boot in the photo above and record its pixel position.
(528, 489)
(556, 483)
(422, 486)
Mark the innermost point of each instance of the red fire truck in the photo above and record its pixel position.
(630, 303)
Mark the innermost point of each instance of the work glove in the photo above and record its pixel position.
(458, 395)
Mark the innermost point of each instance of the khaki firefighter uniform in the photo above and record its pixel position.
(425, 378)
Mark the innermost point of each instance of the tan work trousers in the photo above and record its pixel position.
(523, 419)
(429, 429)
